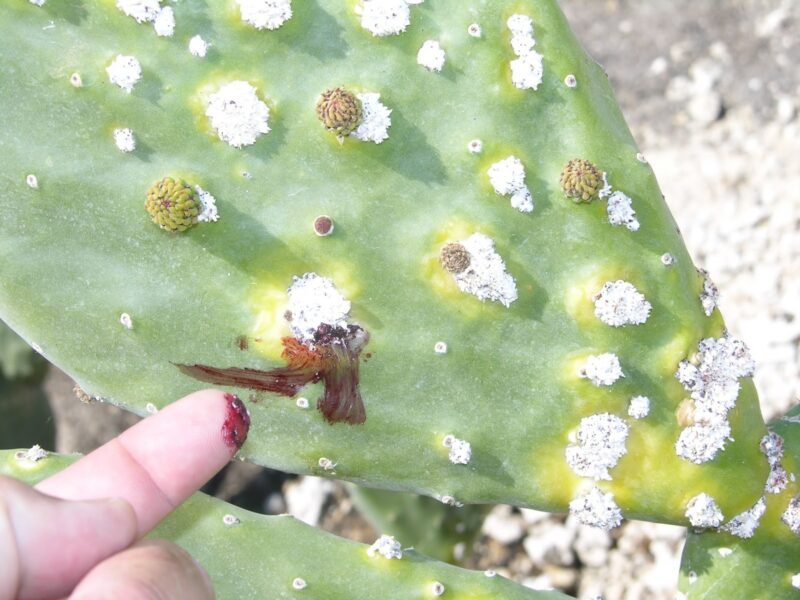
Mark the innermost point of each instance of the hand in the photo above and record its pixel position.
(78, 532)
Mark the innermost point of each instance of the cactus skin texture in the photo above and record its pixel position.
(432, 527)
(718, 565)
(78, 251)
(259, 556)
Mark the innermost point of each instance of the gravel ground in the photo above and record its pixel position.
(711, 93)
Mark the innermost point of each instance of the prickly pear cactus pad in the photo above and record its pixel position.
(495, 307)
(748, 560)
(255, 556)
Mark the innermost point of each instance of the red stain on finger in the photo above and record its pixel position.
(237, 422)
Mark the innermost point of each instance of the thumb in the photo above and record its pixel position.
(47, 545)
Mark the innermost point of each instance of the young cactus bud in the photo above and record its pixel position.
(454, 257)
(340, 111)
(172, 204)
(581, 180)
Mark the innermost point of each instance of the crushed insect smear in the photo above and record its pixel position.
(265, 14)
(376, 119)
(486, 277)
(125, 72)
(124, 140)
(597, 509)
(507, 177)
(745, 524)
(198, 46)
(237, 114)
(703, 512)
(387, 547)
(602, 369)
(619, 303)
(431, 56)
(639, 407)
(237, 422)
(460, 450)
(600, 444)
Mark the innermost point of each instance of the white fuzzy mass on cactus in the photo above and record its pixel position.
(486, 277)
(527, 70)
(507, 177)
(375, 121)
(600, 444)
(265, 14)
(314, 300)
(124, 71)
(431, 56)
(144, 11)
(124, 140)
(703, 511)
(602, 369)
(597, 509)
(619, 303)
(385, 17)
(237, 114)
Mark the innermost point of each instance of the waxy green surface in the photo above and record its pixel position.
(80, 250)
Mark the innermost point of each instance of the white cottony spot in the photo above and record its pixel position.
(474, 30)
(75, 80)
(640, 157)
(437, 588)
(703, 512)
(237, 114)
(772, 447)
(33, 454)
(126, 321)
(620, 211)
(701, 443)
(639, 407)
(709, 297)
(151, 408)
(460, 450)
(486, 277)
(144, 11)
(124, 71)
(570, 81)
(124, 140)
(606, 190)
(302, 403)
(791, 516)
(796, 581)
(440, 347)
(208, 206)
(507, 177)
(527, 69)
(230, 519)
(299, 583)
(326, 463)
(387, 547)
(475, 146)
(597, 509)
(745, 524)
(164, 23)
(198, 46)
(314, 300)
(32, 181)
(602, 369)
(667, 259)
(600, 444)
(619, 303)
(265, 14)
(384, 17)
(375, 121)
(724, 552)
(431, 56)
(38, 2)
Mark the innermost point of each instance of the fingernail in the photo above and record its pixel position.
(237, 422)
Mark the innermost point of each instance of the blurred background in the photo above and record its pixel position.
(711, 91)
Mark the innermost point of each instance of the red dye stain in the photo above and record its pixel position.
(237, 422)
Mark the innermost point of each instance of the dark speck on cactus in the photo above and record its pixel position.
(581, 180)
(454, 257)
(173, 204)
(340, 111)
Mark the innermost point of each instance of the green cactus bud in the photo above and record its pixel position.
(454, 257)
(581, 180)
(172, 204)
(340, 111)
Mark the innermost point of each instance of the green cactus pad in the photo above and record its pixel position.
(249, 555)
(765, 566)
(518, 362)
